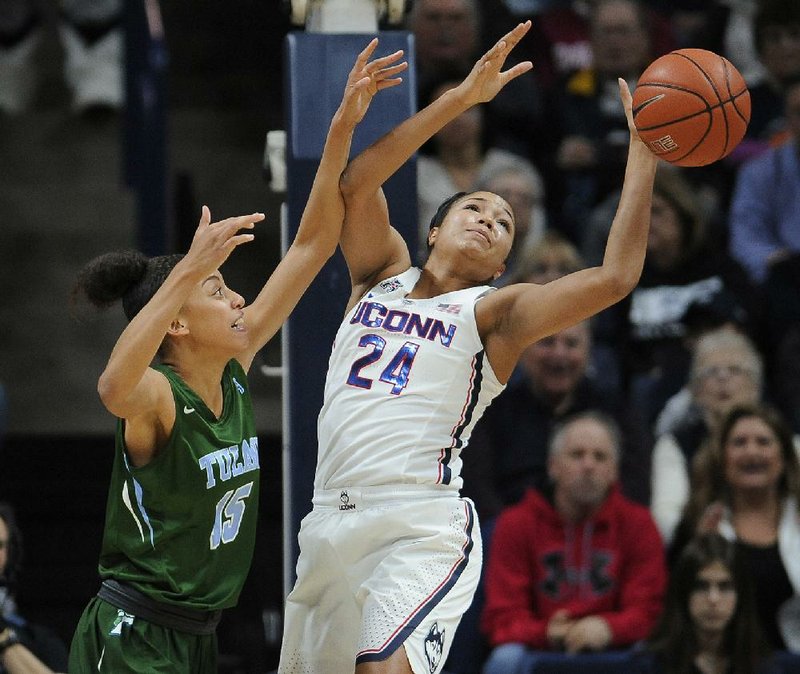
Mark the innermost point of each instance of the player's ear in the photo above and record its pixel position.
(177, 327)
(432, 235)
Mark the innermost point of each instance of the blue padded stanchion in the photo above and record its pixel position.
(317, 65)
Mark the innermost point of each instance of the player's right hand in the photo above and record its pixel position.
(213, 242)
(368, 78)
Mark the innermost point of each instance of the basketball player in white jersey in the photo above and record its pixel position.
(390, 554)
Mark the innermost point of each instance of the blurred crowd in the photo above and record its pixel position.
(640, 472)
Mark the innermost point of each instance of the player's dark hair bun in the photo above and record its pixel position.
(108, 277)
(126, 274)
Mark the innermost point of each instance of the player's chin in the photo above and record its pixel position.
(238, 340)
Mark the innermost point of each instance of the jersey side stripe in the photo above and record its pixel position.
(137, 490)
(399, 636)
(126, 499)
(473, 395)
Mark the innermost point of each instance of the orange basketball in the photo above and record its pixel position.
(691, 107)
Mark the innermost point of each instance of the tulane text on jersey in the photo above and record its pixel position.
(230, 461)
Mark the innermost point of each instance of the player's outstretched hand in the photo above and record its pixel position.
(213, 242)
(487, 76)
(368, 78)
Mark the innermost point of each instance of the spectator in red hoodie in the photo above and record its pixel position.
(579, 569)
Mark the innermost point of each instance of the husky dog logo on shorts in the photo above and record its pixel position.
(344, 497)
(121, 619)
(434, 646)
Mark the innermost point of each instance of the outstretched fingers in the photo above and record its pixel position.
(385, 77)
(230, 230)
(205, 216)
(231, 225)
(214, 241)
(227, 232)
(515, 71)
(487, 76)
(512, 37)
(367, 78)
(363, 58)
(502, 48)
(382, 70)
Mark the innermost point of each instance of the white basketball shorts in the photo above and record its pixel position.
(380, 568)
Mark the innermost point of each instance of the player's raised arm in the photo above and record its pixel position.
(371, 247)
(518, 315)
(321, 222)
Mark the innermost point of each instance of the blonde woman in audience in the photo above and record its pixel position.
(726, 370)
(552, 257)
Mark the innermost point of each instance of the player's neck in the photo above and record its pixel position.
(204, 380)
(437, 281)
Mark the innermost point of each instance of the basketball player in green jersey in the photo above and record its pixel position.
(182, 504)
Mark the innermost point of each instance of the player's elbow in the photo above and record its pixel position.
(620, 282)
(347, 186)
(313, 251)
(353, 189)
(111, 394)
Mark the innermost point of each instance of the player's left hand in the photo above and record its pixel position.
(368, 78)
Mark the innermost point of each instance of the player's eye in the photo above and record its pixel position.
(219, 292)
(472, 207)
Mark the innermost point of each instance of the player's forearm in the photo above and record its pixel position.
(627, 240)
(321, 222)
(366, 173)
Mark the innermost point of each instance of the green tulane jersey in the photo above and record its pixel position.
(181, 529)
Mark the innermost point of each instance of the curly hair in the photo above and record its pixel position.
(127, 275)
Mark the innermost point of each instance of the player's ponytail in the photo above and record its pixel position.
(127, 275)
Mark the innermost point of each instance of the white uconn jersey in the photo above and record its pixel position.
(407, 381)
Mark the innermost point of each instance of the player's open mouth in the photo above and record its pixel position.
(238, 324)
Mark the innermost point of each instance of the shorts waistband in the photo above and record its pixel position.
(346, 499)
(182, 619)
